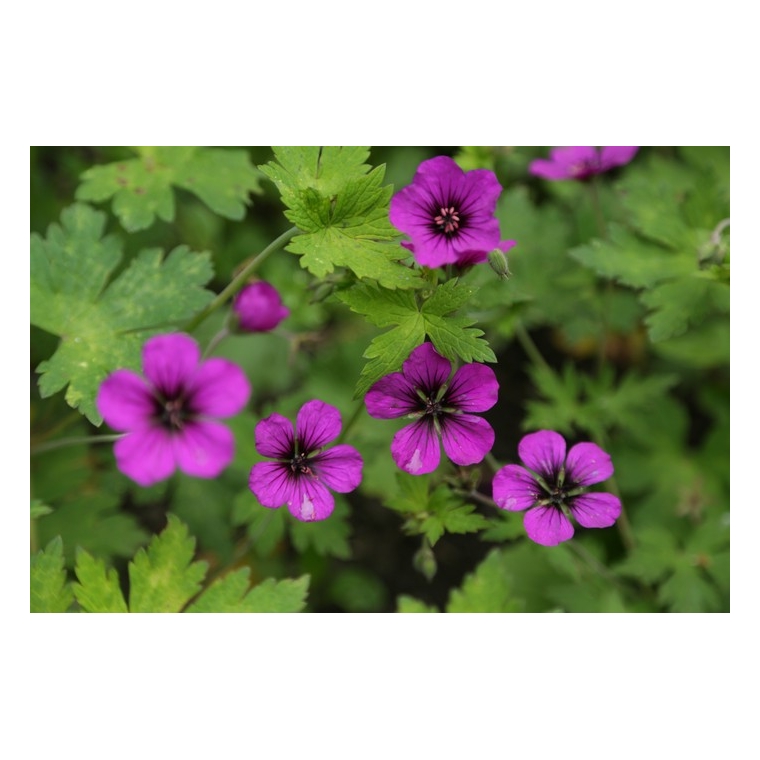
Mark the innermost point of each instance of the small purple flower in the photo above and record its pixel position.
(581, 162)
(168, 415)
(422, 391)
(259, 307)
(556, 485)
(447, 212)
(302, 473)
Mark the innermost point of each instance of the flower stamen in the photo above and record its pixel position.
(448, 220)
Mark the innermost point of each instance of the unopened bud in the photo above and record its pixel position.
(498, 262)
(424, 561)
(259, 308)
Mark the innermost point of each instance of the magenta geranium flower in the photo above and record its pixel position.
(259, 307)
(581, 162)
(303, 473)
(447, 212)
(169, 415)
(555, 487)
(439, 406)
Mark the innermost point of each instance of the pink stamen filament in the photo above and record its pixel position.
(447, 220)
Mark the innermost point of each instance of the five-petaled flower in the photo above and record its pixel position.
(302, 473)
(555, 486)
(448, 213)
(168, 415)
(259, 307)
(581, 162)
(439, 406)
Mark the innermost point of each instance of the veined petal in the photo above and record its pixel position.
(547, 526)
(219, 388)
(474, 388)
(125, 401)
(311, 501)
(272, 483)
(145, 455)
(274, 437)
(617, 155)
(595, 510)
(543, 452)
(415, 448)
(169, 361)
(514, 488)
(478, 191)
(203, 448)
(426, 369)
(466, 438)
(339, 467)
(391, 396)
(587, 464)
(317, 423)
(575, 155)
(546, 169)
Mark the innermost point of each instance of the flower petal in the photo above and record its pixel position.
(466, 438)
(272, 483)
(311, 501)
(546, 169)
(543, 452)
(125, 401)
(317, 423)
(426, 369)
(219, 388)
(391, 396)
(617, 155)
(514, 488)
(274, 437)
(415, 448)
(547, 526)
(339, 467)
(203, 448)
(145, 455)
(474, 388)
(587, 464)
(595, 510)
(169, 361)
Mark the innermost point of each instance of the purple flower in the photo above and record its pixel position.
(259, 307)
(168, 415)
(447, 212)
(302, 473)
(439, 406)
(581, 162)
(556, 485)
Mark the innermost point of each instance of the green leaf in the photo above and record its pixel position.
(688, 590)
(141, 188)
(328, 538)
(164, 578)
(410, 604)
(98, 589)
(103, 328)
(487, 589)
(38, 509)
(452, 336)
(233, 594)
(49, 590)
(343, 212)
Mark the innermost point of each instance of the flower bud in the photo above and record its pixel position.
(497, 259)
(259, 307)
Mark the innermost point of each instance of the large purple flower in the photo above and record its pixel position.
(581, 162)
(439, 406)
(168, 415)
(302, 473)
(555, 486)
(448, 213)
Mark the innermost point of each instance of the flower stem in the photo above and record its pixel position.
(351, 422)
(215, 341)
(84, 439)
(492, 463)
(530, 348)
(240, 279)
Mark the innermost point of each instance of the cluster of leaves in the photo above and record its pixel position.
(162, 578)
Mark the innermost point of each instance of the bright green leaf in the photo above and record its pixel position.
(98, 589)
(103, 329)
(164, 578)
(49, 590)
(487, 589)
(141, 188)
(39, 509)
(410, 604)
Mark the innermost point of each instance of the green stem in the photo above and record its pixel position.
(240, 279)
(609, 287)
(84, 439)
(351, 422)
(530, 347)
(492, 463)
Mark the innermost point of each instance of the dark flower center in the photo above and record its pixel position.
(299, 463)
(172, 413)
(558, 496)
(448, 220)
(433, 408)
